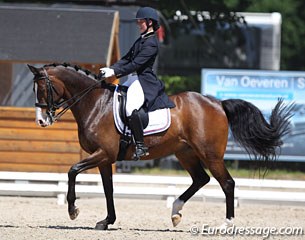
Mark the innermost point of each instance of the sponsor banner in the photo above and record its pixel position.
(263, 89)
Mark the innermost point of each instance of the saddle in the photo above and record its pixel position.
(122, 98)
(125, 139)
(153, 122)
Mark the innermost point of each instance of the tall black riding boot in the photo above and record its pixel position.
(136, 128)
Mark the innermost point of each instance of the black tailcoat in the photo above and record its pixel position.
(140, 59)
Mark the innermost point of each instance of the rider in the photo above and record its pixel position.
(144, 88)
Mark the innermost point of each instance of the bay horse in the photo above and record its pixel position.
(197, 135)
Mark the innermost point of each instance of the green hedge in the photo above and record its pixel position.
(177, 84)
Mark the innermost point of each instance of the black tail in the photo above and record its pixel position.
(253, 132)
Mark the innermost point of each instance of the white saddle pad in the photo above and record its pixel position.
(159, 120)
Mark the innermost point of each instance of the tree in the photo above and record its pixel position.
(224, 11)
(221, 11)
(293, 31)
(215, 35)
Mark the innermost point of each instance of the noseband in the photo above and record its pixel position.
(51, 106)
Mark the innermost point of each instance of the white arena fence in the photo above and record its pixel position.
(151, 187)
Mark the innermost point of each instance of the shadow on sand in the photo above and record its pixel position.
(111, 229)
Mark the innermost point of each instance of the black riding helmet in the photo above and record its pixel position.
(149, 13)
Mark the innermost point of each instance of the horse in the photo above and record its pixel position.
(197, 135)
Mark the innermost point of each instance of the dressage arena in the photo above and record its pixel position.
(42, 218)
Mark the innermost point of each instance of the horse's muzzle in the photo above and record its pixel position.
(42, 119)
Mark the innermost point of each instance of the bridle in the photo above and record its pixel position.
(51, 106)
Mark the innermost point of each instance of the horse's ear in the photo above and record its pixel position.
(33, 69)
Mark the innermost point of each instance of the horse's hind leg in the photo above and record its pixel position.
(221, 174)
(192, 164)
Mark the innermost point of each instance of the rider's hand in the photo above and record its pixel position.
(107, 72)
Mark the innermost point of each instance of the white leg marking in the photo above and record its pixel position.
(176, 215)
(228, 223)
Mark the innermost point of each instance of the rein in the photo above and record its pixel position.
(51, 106)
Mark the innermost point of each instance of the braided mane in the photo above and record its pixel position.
(74, 67)
(84, 72)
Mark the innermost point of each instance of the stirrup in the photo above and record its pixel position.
(140, 151)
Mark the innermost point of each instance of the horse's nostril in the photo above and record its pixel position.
(40, 122)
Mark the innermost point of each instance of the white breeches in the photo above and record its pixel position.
(135, 94)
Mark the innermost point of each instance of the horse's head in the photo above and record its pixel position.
(61, 86)
(48, 93)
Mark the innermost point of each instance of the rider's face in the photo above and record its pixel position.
(142, 25)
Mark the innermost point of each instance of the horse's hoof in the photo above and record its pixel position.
(101, 226)
(73, 214)
(176, 219)
(228, 223)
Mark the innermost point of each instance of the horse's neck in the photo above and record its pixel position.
(95, 104)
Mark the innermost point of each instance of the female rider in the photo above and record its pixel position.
(144, 88)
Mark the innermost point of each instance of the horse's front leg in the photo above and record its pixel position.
(106, 173)
(90, 162)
